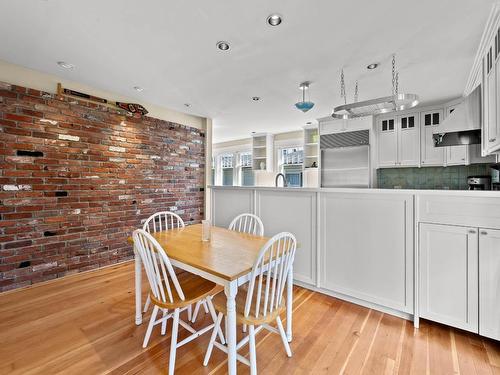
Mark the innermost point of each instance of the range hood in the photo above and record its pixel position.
(463, 125)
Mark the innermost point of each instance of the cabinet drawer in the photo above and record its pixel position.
(459, 210)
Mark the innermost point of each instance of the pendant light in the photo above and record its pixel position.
(304, 105)
(395, 102)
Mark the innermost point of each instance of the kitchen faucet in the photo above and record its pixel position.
(285, 184)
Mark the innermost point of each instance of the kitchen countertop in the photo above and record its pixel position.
(469, 193)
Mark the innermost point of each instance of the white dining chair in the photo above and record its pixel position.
(158, 222)
(171, 291)
(246, 223)
(262, 302)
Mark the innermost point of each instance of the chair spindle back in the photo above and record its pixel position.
(163, 220)
(269, 275)
(159, 270)
(247, 223)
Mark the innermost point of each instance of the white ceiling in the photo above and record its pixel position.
(168, 47)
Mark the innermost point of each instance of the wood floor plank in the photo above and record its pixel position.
(85, 324)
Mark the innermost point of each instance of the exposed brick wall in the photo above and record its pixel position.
(77, 178)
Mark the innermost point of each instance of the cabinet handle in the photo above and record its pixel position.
(484, 233)
(472, 231)
(492, 140)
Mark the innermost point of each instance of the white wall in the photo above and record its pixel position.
(18, 75)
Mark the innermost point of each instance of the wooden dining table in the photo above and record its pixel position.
(227, 259)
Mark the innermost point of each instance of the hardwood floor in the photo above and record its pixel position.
(84, 324)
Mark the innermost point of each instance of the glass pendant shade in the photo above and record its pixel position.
(304, 106)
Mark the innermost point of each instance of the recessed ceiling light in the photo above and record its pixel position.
(372, 66)
(65, 65)
(187, 105)
(274, 19)
(255, 98)
(138, 88)
(223, 46)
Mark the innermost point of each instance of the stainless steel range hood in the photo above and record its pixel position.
(463, 125)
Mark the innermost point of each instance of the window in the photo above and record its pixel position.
(227, 169)
(292, 155)
(246, 169)
(291, 160)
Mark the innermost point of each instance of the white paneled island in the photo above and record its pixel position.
(387, 249)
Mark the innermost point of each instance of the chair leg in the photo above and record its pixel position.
(211, 309)
(164, 323)
(195, 313)
(150, 326)
(204, 303)
(173, 343)
(212, 339)
(146, 305)
(244, 329)
(190, 312)
(253, 354)
(283, 337)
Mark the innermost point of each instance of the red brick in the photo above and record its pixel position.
(91, 223)
(14, 117)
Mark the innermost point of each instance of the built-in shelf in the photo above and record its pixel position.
(262, 145)
(311, 156)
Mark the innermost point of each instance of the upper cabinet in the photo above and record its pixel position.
(387, 142)
(491, 140)
(431, 156)
(486, 71)
(409, 140)
(398, 140)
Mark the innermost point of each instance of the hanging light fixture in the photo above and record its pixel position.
(304, 105)
(395, 102)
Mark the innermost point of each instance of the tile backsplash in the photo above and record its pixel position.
(452, 178)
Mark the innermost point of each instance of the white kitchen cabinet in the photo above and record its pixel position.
(455, 155)
(448, 264)
(408, 140)
(398, 140)
(491, 93)
(489, 283)
(387, 142)
(431, 156)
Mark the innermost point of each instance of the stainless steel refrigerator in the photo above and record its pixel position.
(345, 159)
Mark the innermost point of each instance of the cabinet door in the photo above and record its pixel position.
(489, 283)
(455, 155)
(490, 105)
(408, 140)
(431, 155)
(494, 130)
(448, 262)
(387, 142)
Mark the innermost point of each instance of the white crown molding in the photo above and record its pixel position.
(488, 33)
